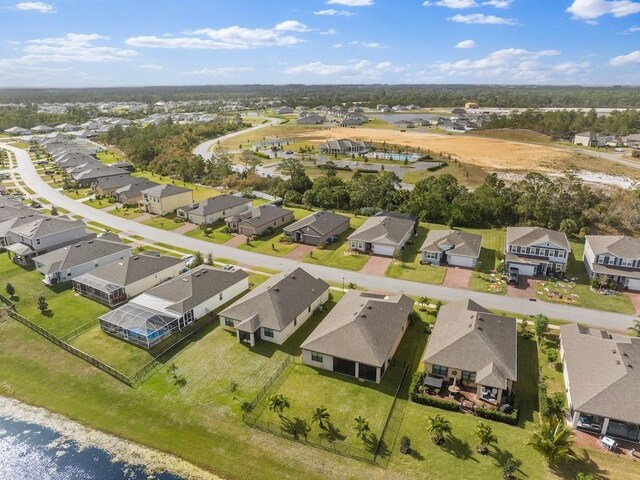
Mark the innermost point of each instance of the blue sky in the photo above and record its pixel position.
(82, 43)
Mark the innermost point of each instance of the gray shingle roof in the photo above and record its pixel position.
(43, 226)
(603, 372)
(363, 327)
(165, 190)
(383, 229)
(215, 204)
(320, 222)
(616, 245)
(131, 269)
(262, 215)
(115, 181)
(195, 286)
(530, 236)
(79, 253)
(453, 241)
(467, 336)
(277, 302)
(135, 189)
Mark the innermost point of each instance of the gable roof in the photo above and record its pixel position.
(453, 242)
(165, 190)
(603, 371)
(616, 245)
(130, 270)
(530, 236)
(135, 189)
(467, 336)
(261, 215)
(115, 181)
(322, 223)
(192, 288)
(277, 302)
(79, 254)
(384, 228)
(42, 226)
(363, 327)
(215, 204)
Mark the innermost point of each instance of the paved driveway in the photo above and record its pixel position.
(524, 289)
(376, 265)
(238, 239)
(457, 277)
(299, 252)
(187, 227)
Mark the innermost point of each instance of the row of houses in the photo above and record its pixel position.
(594, 139)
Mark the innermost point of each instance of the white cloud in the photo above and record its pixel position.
(220, 71)
(499, 3)
(36, 6)
(367, 44)
(73, 47)
(352, 69)
(452, 3)
(291, 26)
(514, 64)
(337, 45)
(351, 3)
(591, 9)
(631, 30)
(228, 38)
(151, 66)
(331, 31)
(624, 60)
(466, 44)
(334, 12)
(482, 19)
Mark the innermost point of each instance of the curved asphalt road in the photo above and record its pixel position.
(518, 305)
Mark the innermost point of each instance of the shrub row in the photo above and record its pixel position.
(498, 416)
(417, 397)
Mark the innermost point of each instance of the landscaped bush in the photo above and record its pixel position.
(435, 168)
(322, 245)
(498, 416)
(368, 211)
(417, 397)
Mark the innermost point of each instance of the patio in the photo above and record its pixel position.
(466, 395)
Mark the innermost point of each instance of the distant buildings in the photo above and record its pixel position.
(344, 147)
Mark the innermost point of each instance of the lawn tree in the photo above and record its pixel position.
(540, 325)
(405, 445)
(438, 426)
(320, 416)
(423, 301)
(54, 211)
(10, 289)
(553, 439)
(634, 329)
(197, 259)
(509, 467)
(556, 406)
(486, 437)
(278, 404)
(43, 306)
(361, 426)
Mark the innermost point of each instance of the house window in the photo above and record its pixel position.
(612, 260)
(439, 370)
(37, 241)
(267, 332)
(220, 296)
(228, 322)
(309, 309)
(468, 377)
(600, 259)
(317, 357)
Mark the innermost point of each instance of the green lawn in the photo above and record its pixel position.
(485, 278)
(108, 157)
(217, 235)
(102, 203)
(66, 310)
(467, 175)
(129, 213)
(199, 192)
(164, 223)
(551, 371)
(78, 193)
(409, 267)
(270, 245)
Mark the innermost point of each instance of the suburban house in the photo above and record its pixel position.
(344, 147)
(17, 131)
(632, 140)
(107, 185)
(209, 211)
(383, 234)
(617, 257)
(451, 247)
(43, 234)
(536, 251)
(360, 335)
(275, 309)
(116, 282)
(131, 194)
(148, 319)
(166, 198)
(257, 220)
(283, 110)
(311, 119)
(602, 381)
(67, 263)
(41, 129)
(86, 177)
(474, 349)
(317, 228)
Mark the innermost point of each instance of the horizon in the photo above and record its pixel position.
(64, 44)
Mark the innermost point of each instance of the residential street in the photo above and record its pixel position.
(519, 305)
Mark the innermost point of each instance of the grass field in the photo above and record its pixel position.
(129, 213)
(102, 203)
(483, 279)
(467, 175)
(269, 245)
(199, 192)
(78, 193)
(409, 267)
(217, 236)
(334, 256)
(108, 157)
(164, 223)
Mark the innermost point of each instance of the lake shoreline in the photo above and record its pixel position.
(120, 450)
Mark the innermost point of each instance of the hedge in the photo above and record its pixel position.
(417, 397)
(498, 416)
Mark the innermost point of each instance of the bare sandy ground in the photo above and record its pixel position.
(487, 153)
(121, 450)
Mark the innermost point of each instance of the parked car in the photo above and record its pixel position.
(229, 267)
(289, 152)
(513, 276)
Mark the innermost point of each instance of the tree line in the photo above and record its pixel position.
(567, 123)
(28, 116)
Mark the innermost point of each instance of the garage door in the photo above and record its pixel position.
(383, 250)
(526, 270)
(461, 261)
(634, 284)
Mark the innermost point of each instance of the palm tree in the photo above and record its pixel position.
(278, 403)
(553, 440)
(634, 329)
(423, 301)
(485, 436)
(437, 426)
(320, 415)
(361, 427)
